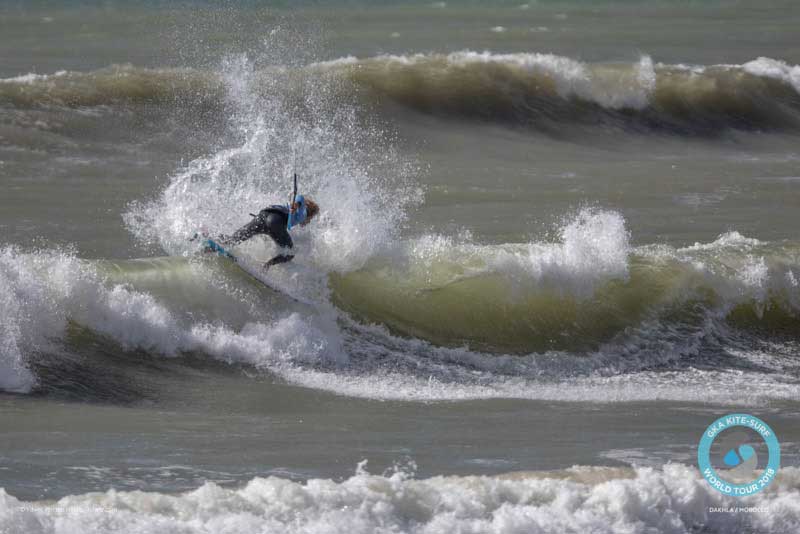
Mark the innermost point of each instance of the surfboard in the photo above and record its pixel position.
(212, 246)
(253, 269)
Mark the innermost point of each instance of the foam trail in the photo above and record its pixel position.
(653, 363)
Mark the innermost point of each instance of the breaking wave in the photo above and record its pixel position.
(673, 499)
(530, 89)
(545, 90)
(516, 321)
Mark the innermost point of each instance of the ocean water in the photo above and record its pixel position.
(557, 240)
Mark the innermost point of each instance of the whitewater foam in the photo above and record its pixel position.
(27, 311)
(32, 77)
(592, 248)
(14, 376)
(673, 499)
(773, 68)
(43, 291)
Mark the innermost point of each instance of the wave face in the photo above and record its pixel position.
(580, 499)
(543, 91)
(576, 295)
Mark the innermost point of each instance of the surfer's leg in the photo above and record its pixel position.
(275, 227)
(254, 227)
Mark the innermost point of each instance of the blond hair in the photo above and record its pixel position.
(312, 209)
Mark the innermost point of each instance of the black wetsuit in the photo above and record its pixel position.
(271, 221)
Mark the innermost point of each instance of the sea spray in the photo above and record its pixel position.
(363, 186)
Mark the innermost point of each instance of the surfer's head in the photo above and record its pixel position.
(306, 208)
(312, 209)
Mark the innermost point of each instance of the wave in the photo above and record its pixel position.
(543, 91)
(576, 295)
(672, 499)
(116, 84)
(49, 293)
(654, 323)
